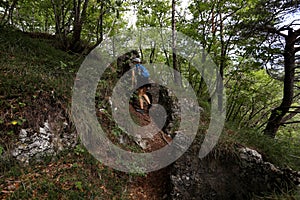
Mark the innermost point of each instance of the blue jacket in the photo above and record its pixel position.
(141, 70)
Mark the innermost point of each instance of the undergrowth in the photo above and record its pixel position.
(69, 175)
(281, 151)
(30, 65)
(36, 82)
(31, 71)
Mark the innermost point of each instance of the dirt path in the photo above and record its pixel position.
(154, 185)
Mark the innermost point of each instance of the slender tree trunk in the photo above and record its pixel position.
(57, 18)
(79, 18)
(278, 113)
(177, 76)
(163, 46)
(100, 24)
(100, 29)
(152, 54)
(77, 26)
(222, 66)
(11, 11)
(8, 11)
(57, 15)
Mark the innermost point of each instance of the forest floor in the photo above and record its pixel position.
(77, 173)
(35, 83)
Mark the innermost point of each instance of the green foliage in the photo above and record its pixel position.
(32, 71)
(78, 185)
(48, 17)
(283, 152)
(252, 95)
(153, 13)
(35, 64)
(1, 150)
(79, 150)
(291, 195)
(116, 131)
(226, 31)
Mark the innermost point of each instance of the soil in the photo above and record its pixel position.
(154, 185)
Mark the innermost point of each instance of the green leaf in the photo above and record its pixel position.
(1, 150)
(78, 185)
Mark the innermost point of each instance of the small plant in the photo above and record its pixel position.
(21, 104)
(63, 65)
(20, 121)
(116, 131)
(78, 185)
(1, 150)
(11, 132)
(79, 150)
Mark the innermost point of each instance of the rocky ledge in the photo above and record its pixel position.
(228, 176)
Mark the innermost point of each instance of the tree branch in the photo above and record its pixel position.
(296, 96)
(297, 32)
(294, 122)
(290, 116)
(271, 29)
(292, 23)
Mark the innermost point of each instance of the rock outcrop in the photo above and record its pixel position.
(228, 176)
(33, 145)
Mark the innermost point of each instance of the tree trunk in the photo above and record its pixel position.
(100, 28)
(278, 113)
(220, 74)
(11, 10)
(8, 11)
(79, 18)
(57, 16)
(177, 76)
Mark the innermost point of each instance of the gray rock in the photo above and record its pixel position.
(228, 176)
(47, 142)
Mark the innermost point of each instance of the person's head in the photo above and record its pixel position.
(136, 60)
